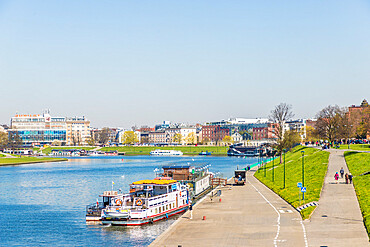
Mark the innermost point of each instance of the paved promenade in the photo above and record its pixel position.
(250, 215)
(337, 221)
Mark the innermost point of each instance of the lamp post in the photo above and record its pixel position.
(302, 168)
(273, 168)
(264, 166)
(348, 126)
(284, 167)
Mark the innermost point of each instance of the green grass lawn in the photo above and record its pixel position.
(27, 160)
(187, 150)
(316, 165)
(360, 147)
(359, 163)
(48, 149)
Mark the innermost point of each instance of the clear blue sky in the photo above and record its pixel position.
(121, 63)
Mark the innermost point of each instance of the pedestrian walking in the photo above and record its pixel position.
(336, 176)
(191, 211)
(341, 172)
(347, 177)
(350, 178)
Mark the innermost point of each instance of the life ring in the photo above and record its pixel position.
(139, 202)
(118, 202)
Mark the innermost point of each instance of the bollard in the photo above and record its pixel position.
(220, 199)
(204, 217)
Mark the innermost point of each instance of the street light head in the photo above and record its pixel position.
(302, 152)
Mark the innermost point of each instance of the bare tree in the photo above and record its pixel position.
(3, 140)
(332, 123)
(103, 135)
(14, 140)
(280, 115)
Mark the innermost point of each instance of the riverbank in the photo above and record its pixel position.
(186, 150)
(359, 164)
(27, 160)
(145, 150)
(315, 167)
(47, 150)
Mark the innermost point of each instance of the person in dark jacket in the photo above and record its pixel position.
(350, 178)
(191, 210)
(341, 172)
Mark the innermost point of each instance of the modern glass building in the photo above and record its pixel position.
(40, 137)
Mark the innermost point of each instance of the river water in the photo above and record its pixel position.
(44, 204)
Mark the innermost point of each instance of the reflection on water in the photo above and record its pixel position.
(44, 204)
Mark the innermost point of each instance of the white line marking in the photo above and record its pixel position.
(278, 219)
(290, 211)
(281, 211)
(304, 234)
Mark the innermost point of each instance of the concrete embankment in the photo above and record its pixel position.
(250, 215)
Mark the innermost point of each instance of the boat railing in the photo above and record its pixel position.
(218, 181)
(94, 208)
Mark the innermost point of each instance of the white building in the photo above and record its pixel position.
(41, 129)
(298, 125)
(78, 130)
(240, 121)
(237, 138)
(186, 133)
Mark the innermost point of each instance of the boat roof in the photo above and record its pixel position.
(154, 181)
(176, 166)
(187, 165)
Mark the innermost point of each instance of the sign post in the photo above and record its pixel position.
(299, 185)
(303, 190)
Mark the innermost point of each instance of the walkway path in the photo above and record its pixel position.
(250, 215)
(8, 155)
(337, 221)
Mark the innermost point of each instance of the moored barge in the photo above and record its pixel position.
(148, 201)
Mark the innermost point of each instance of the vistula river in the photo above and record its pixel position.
(44, 204)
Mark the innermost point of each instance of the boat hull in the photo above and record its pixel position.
(138, 222)
(93, 218)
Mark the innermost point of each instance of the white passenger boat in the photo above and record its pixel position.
(147, 202)
(166, 153)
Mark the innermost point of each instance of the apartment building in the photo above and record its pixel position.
(78, 130)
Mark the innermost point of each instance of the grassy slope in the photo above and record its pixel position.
(361, 147)
(316, 164)
(359, 163)
(187, 150)
(27, 160)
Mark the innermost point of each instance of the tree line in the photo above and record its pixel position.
(333, 124)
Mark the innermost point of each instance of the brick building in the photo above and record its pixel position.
(265, 132)
(214, 133)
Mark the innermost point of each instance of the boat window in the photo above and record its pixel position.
(166, 207)
(163, 208)
(156, 210)
(160, 209)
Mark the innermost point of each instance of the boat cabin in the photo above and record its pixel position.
(146, 192)
(196, 176)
